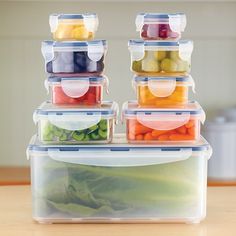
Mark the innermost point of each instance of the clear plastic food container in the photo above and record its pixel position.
(162, 91)
(119, 182)
(73, 26)
(76, 90)
(84, 58)
(174, 124)
(71, 125)
(160, 26)
(160, 58)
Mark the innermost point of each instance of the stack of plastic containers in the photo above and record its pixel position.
(75, 112)
(155, 176)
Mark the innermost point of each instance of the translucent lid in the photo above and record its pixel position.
(163, 118)
(119, 153)
(138, 47)
(176, 21)
(95, 48)
(76, 87)
(74, 117)
(164, 86)
(90, 20)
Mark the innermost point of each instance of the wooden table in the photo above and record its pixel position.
(15, 219)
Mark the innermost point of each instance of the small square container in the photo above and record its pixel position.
(70, 27)
(76, 90)
(160, 26)
(176, 124)
(162, 91)
(71, 125)
(160, 58)
(83, 58)
(119, 182)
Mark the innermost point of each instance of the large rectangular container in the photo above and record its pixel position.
(119, 182)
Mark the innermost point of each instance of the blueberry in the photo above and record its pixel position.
(80, 59)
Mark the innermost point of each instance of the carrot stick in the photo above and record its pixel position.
(156, 133)
(182, 130)
(180, 137)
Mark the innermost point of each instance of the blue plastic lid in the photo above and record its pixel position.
(47, 108)
(161, 43)
(193, 108)
(74, 16)
(160, 15)
(75, 43)
(120, 144)
(60, 78)
(145, 79)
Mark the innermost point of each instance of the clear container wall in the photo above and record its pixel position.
(159, 31)
(137, 132)
(66, 62)
(173, 192)
(92, 97)
(146, 98)
(49, 133)
(72, 29)
(161, 63)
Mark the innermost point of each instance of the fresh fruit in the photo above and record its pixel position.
(91, 97)
(174, 55)
(137, 66)
(150, 65)
(147, 99)
(168, 65)
(159, 55)
(74, 62)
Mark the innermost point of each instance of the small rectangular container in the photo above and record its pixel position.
(71, 27)
(119, 182)
(83, 58)
(160, 26)
(176, 124)
(162, 91)
(160, 58)
(72, 125)
(86, 91)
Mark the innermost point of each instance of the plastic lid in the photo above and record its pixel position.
(119, 153)
(159, 43)
(76, 87)
(138, 47)
(74, 16)
(107, 108)
(75, 118)
(163, 118)
(95, 48)
(90, 20)
(53, 79)
(176, 21)
(164, 86)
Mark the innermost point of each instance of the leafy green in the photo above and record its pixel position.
(88, 191)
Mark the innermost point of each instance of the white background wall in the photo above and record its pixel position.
(23, 25)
